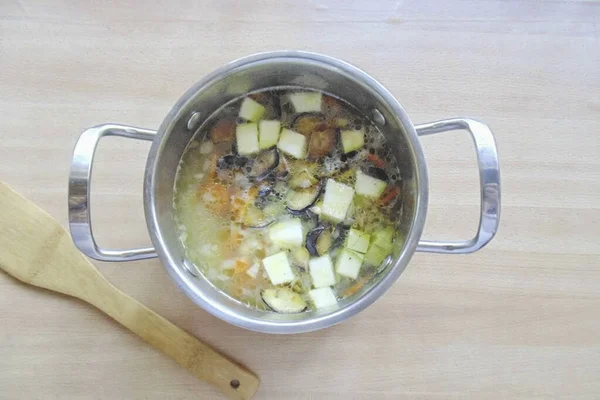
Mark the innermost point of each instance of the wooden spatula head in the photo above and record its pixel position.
(35, 249)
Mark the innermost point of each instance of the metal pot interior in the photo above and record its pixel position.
(237, 79)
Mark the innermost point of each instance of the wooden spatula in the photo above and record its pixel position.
(35, 249)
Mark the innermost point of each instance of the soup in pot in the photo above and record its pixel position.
(288, 200)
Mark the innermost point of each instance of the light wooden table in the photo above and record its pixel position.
(520, 319)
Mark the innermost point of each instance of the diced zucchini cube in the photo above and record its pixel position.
(251, 110)
(306, 101)
(368, 186)
(287, 234)
(321, 271)
(358, 241)
(278, 268)
(383, 237)
(268, 133)
(247, 139)
(349, 263)
(353, 140)
(292, 143)
(336, 201)
(322, 297)
(376, 254)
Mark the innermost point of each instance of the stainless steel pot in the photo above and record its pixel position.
(282, 68)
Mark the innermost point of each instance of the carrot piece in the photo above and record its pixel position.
(215, 197)
(237, 208)
(240, 202)
(376, 160)
(252, 194)
(241, 266)
(354, 288)
(390, 194)
(235, 235)
(240, 279)
(212, 171)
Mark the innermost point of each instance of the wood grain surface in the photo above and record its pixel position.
(36, 250)
(519, 319)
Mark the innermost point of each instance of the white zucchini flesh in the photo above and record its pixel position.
(252, 272)
(288, 234)
(381, 246)
(376, 254)
(247, 139)
(283, 300)
(358, 241)
(268, 133)
(306, 101)
(352, 140)
(384, 237)
(321, 271)
(322, 297)
(368, 186)
(278, 268)
(251, 110)
(292, 143)
(349, 263)
(336, 200)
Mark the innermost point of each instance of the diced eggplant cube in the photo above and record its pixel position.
(302, 180)
(306, 102)
(278, 268)
(283, 300)
(298, 200)
(287, 234)
(321, 143)
(251, 110)
(321, 271)
(368, 186)
(349, 263)
(358, 241)
(336, 201)
(292, 143)
(376, 254)
(301, 257)
(353, 140)
(247, 139)
(322, 297)
(268, 133)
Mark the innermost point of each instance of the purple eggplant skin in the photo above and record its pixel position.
(311, 239)
(378, 173)
(318, 188)
(263, 165)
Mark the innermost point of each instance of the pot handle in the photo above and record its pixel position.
(79, 192)
(489, 178)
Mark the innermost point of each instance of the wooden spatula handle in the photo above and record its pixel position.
(234, 380)
(35, 249)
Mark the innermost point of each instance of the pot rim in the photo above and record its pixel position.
(184, 280)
